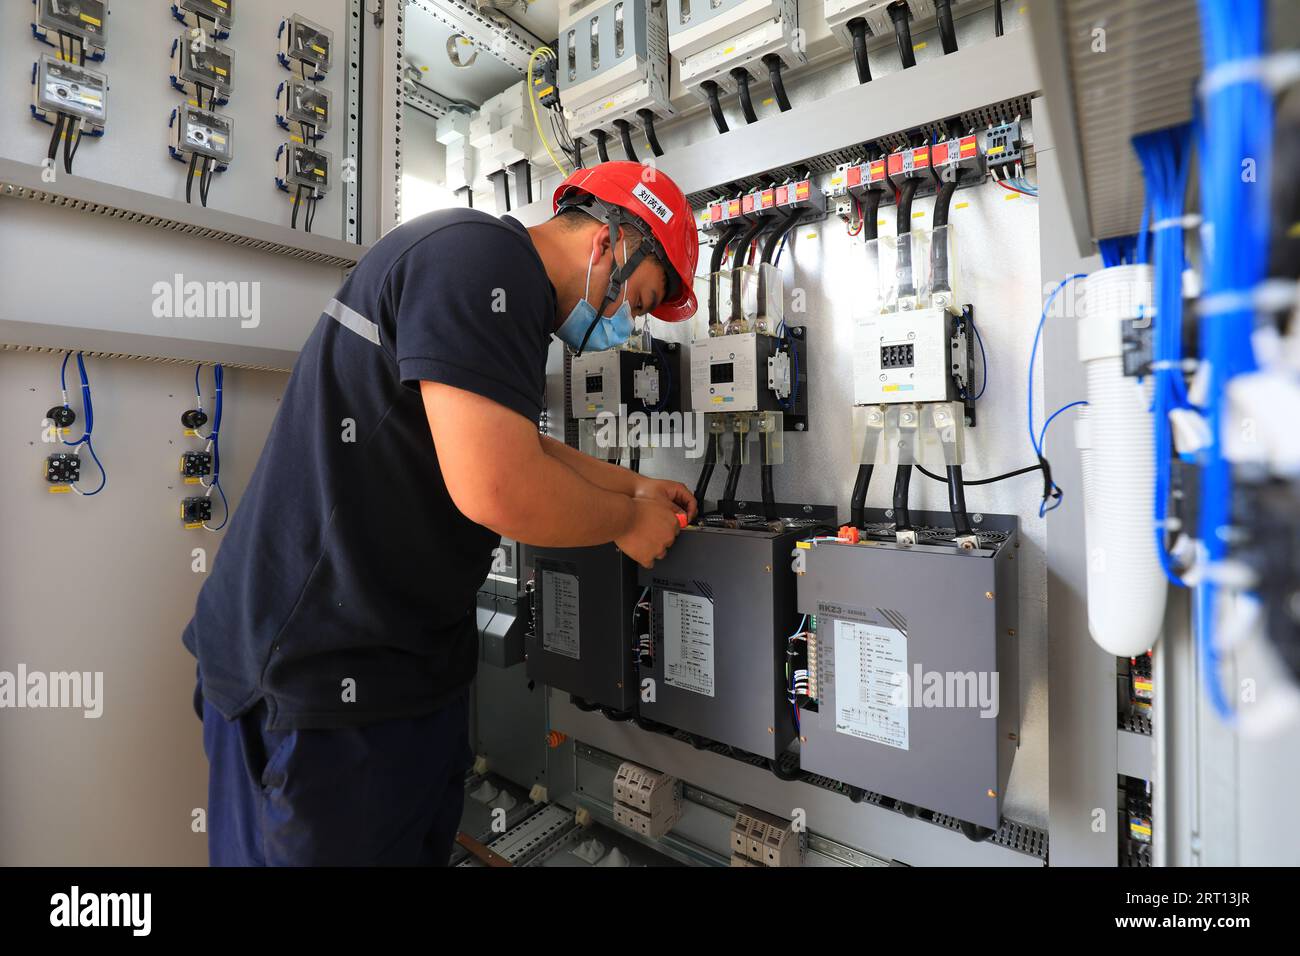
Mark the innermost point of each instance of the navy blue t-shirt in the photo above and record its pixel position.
(347, 559)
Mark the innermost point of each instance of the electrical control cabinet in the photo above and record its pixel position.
(709, 39)
(83, 20)
(305, 104)
(916, 678)
(73, 90)
(613, 63)
(723, 604)
(203, 132)
(583, 642)
(200, 13)
(633, 379)
(304, 166)
(751, 372)
(197, 64)
(306, 48)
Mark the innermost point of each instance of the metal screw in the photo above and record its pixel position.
(977, 518)
(991, 793)
(767, 569)
(769, 730)
(1011, 632)
(889, 512)
(989, 595)
(807, 509)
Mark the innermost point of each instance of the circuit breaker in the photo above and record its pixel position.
(710, 38)
(68, 89)
(638, 380)
(305, 166)
(84, 21)
(202, 132)
(613, 63)
(723, 603)
(200, 65)
(646, 801)
(875, 14)
(307, 105)
(914, 684)
(583, 641)
(914, 356)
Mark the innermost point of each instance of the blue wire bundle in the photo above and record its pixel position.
(1051, 490)
(214, 439)
(1236, 127)
(1164, 155)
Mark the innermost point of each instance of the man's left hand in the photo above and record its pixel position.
(673, 491)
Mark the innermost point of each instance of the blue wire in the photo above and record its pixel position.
(1059, 497)
(88, 411)
(218, 380)
(1033, 354)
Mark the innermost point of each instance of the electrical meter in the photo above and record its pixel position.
(84, 20)
(203, 132)
(199, 62)
(305, 104)
(306, 166)
(194, 13)
(71, 90)
(306, 43)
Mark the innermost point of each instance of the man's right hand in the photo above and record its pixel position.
(652, 530)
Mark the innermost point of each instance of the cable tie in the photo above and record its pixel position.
(1271, 295)
(1275, 70)
(1189, 221)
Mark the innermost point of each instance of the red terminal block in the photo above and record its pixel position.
(869, 177)
(682, 519)
(908, 163)
(849, 533)
(801, 195)
(963, 153)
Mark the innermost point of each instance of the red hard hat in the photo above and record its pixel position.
(655, 201)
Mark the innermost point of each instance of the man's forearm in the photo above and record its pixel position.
(551, 505)
(600, 473)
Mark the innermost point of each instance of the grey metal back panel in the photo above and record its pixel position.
(603, 672)
(747, 579)
(957, 611)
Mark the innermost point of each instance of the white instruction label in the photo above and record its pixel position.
(688, 642)
(560, 613)
(871, 683)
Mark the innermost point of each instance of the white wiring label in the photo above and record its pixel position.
(560, 613)
(871, 683)
(688, 642)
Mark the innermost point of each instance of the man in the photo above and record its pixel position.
(336, 636)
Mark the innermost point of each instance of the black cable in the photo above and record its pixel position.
(189, 178)
(939, 240)
(706, 473)
(297, 204)
(769, 493)
(715, 266)
(997, 18)
(59, 123)
(902, 484)
(602, 150)
(858, 30)
(741, 76)
(904, 228)
(76, 144)
(774, 64)
(648, 122)
(81, 48)
(710, 89)
(738, 261)
(857, 504)
(733, 477)
(778, 234)
(634, 459)
(1028, 469)
(625, 137)
(577, 152)
(205, 179)
(957, 501)
(870, 214)
(947, 31)
(312, 201)
(899, 13)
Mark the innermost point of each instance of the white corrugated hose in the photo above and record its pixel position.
(1126, 586)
